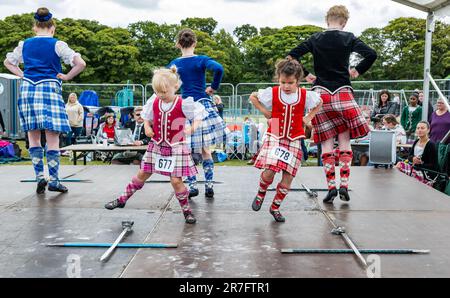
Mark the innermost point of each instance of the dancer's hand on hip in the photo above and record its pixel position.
(210, 91)
(310, 78)
(353, 73)
(63, 77)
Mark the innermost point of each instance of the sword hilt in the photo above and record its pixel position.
(338, 231)
(127, 225)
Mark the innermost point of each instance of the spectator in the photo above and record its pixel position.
(430, 105)
(396, 99)
(390, 123)
(361, 153)
(411, 115)
(422, 155)
(219, 105)
(384, 106)
(2, 124)
(75, 114)
(106, 130)
(440, 122)
(136, 125)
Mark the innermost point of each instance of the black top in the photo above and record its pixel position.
(429, 156)
(390, 108)
(331, 50)
(2, 124)
(142, 137)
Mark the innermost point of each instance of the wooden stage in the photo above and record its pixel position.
(388, 210)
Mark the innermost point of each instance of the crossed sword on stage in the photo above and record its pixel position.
(337, 230)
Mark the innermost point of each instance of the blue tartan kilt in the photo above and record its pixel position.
(41, 107)
(212, 130)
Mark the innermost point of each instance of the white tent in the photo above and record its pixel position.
(434, 8)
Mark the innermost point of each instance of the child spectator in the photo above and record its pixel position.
(411, 115)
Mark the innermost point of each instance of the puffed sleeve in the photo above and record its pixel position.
(312, 99)
(65, 53)
(193, 110)
(15, 57)
(147, 110)
(265, 97)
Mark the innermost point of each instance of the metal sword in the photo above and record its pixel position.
(127, 227)
(337, 230)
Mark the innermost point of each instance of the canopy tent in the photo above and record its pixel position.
(435, 9)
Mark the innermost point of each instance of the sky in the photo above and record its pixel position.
(228, 13)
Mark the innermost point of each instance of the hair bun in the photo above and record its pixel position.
(173, 69)
(42, 15)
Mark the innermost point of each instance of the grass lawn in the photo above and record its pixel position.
(66, 161)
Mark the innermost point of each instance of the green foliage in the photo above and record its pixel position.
(262, 52)
(115, 55)
(207, 25)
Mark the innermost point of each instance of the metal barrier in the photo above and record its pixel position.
(106, 92)
(227, 97)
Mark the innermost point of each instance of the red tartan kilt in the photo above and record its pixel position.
(265, 161)
(339, 113)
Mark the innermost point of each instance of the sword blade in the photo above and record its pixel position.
(111, 249)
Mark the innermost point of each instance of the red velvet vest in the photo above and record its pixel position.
(169, 126)
(287, 119)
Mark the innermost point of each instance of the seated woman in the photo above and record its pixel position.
(385, 106)
(422, 155)
(106, 130)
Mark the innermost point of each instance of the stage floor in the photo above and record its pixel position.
(388, 210)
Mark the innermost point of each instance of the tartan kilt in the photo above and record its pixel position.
(184, 165)
(41, 107)
(339, 113)
(410, 171)
(265, 161)
(210, 132)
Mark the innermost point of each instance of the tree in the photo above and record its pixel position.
(262, 51)
(207, 25)
(245, 32)
(374, 38)
(115, 57)
(155, 42)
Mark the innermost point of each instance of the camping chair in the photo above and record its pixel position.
(89, 98)
(235, 146)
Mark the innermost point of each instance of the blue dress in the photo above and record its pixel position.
(192, 71)
(41, 106)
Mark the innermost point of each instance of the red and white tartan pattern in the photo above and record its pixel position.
(410, 171)
(339, 113)
(184, 164)
(264, 161)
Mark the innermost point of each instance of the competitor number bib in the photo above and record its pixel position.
(282, 154)
(165, 163)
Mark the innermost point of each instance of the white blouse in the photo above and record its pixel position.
(265, 97)
(191, 109)
(61, 49)
(418, 151)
